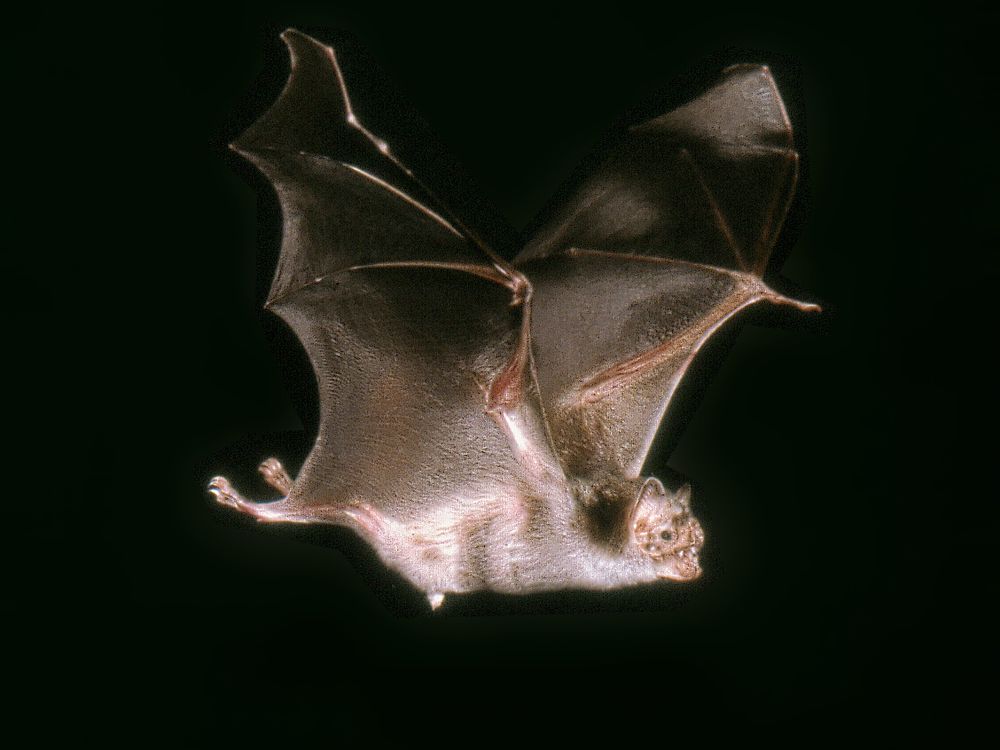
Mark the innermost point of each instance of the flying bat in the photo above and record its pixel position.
(484, 422)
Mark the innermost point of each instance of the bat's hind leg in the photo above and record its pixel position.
(286, 510)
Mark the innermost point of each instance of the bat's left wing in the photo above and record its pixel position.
(417, 333)
(655, 251)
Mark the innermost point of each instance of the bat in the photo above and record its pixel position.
(484, 422)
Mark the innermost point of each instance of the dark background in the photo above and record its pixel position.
(838, 463)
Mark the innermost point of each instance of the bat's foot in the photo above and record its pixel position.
(227, 495)
(275, 475)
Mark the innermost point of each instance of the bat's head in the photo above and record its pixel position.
(666, 532)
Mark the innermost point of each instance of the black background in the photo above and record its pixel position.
(839, 463)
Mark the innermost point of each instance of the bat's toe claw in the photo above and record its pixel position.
(223, 491)
(225, 494)
(275, 475)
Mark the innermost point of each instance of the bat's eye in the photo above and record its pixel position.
(666, 536)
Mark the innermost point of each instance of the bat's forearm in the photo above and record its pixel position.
(512, 400)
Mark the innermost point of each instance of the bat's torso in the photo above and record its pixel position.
(506, 542)
(461, 543)
(458, 545)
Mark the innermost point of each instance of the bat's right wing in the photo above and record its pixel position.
(664, 243)
(419, 336)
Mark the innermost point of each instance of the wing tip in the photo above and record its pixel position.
(292, 38)
(314, 85)
(781, 299)
(300, 44)
(245, 148)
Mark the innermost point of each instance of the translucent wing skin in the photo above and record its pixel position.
(402, 357)
(339, 214)
(656, 250)
(419, 338)
(709, 182)
(337, 217)
(608, 370)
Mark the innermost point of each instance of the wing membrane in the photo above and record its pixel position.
(336, 216)
(658, 248)
(401, 356)
(708, 182)
(607, 371)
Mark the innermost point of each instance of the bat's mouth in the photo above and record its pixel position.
(681, 565)
(674, 545)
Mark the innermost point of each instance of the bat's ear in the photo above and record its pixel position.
(683, 496)
(648, 504)
(653, 503)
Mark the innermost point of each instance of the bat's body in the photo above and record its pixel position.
(484, 423)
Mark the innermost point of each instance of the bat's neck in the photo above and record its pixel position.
(612, 560)
(588, 548)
